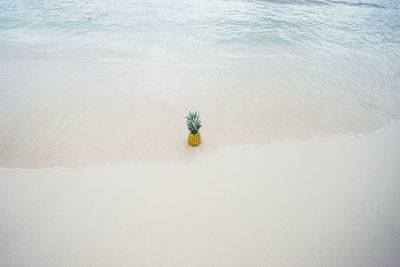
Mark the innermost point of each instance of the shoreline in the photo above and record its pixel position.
(207, 150)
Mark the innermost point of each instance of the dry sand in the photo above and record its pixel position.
(329, 201)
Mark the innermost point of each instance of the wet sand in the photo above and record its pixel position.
(82, 108)
(328, 201)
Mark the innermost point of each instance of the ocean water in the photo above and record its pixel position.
(96, 81)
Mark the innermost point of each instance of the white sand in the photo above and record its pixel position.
(330, 201)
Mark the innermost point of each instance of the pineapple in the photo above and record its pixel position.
(193, 123)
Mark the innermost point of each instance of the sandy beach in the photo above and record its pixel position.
(328, 201)
(298, 165)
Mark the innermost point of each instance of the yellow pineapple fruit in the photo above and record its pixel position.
(193, 123)
(194, 139)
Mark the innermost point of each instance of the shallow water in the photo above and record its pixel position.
(89, 82)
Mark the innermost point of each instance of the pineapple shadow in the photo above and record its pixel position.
(190, 151)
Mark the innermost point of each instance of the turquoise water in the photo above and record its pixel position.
(104, 77)
(301, 24)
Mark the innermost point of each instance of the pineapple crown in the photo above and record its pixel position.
(193, 122)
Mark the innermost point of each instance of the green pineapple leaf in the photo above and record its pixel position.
(193, 122)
